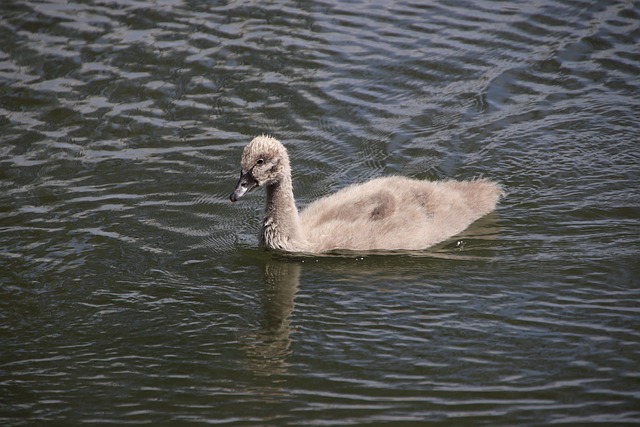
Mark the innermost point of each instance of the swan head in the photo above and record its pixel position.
(264, 162)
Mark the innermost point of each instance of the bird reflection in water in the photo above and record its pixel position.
(269, 347)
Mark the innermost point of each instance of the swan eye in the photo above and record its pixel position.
(260, 161)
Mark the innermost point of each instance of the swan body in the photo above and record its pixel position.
(389, 213)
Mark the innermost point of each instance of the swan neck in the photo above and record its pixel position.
(281, 228)
(280, 195)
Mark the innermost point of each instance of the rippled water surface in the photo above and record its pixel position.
(133, 291)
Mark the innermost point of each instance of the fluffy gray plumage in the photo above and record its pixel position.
(387, 213)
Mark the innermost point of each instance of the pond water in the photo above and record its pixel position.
(133, 292)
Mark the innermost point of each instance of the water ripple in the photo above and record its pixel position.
(132, 288)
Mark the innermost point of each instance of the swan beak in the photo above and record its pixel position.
(246, 183)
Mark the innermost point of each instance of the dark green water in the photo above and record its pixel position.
(133, 292)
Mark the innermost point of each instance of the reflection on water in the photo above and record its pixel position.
(131, 291)
(270, 345)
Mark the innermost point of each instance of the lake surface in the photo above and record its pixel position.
(133, 292)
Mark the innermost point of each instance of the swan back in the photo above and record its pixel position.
(396, 213)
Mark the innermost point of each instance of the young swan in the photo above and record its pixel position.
(384, 213)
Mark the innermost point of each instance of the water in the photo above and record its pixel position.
(133, 291)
